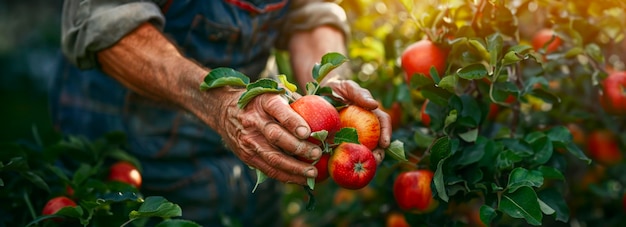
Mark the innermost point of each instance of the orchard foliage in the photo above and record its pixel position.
(508, 118)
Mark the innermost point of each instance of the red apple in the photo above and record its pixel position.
(420, 56)
(396, 219)
(613, 96)
(57, 203)
(319, 114)
(542, 37)
(425, 116)
(125, 172)
(603, 148)
(412, 191)
(352, 165)
(321, 165)
(364, 121)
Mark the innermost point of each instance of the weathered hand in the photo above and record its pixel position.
(265, 135)
(353, 94)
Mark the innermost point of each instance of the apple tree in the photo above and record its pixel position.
(516, 107)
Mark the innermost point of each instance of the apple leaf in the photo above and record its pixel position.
(222, 76)
(348, 135)
(310, 181)
(439, 182)
(545, 208)
(291, 87)
(487, 214)
(522, 203)
(329, 62)
(396, 150)
(520, 177)
(434, 74)
(320, 135)
(553, 198)
(156, 206)
(257, 88)
(469, 136)
(419, 80)
(260, 178)
(69, 211)
(177, 223)
(473, 72)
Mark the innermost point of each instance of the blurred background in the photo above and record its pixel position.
(29, 47)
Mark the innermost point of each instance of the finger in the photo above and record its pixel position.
(278, 108)
(355, 94)
(281, 138)
(286, 168)
(277, 173)
(379, 155)
(385, 127)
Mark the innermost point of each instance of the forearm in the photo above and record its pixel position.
(149, 64)
(307, 48)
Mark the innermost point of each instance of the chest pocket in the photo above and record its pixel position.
(228, 33)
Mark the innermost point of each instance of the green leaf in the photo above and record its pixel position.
(260, 178)
(543, 150)
(559, 133)
(577, 152)
(257, 88)
(423, 139)
(545, 208)
(437, 95)
(472, 153)
(58, 172)
(449, 83)
(510, 58)
(220, 77)
(518, 147)
(320, 135)
(469, 136)
(441, 149)
(36, 180)
(494, 46)
(473, 72)
(156, 206)
(451, 118)
(521, 177)
(480, 48)
(70, 211)
(116, 197)
(396, 150)
(522, 203)
(573, 52)
(329, 62)
(419, 81)
(434, 74)
(595, 52)
(438, 180)
(310, 181)
(346, 134)
(487, 214)
(551, 173)
(545, 96)
(554, 199)
(177, 223)
(291, 87)
(83, 172)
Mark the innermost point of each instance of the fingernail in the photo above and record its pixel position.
(302, 132)
(315, 153)
(311, 173)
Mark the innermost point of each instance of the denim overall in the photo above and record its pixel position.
(183, 159)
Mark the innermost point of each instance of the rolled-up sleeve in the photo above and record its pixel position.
(308, 14)
(88, 26)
